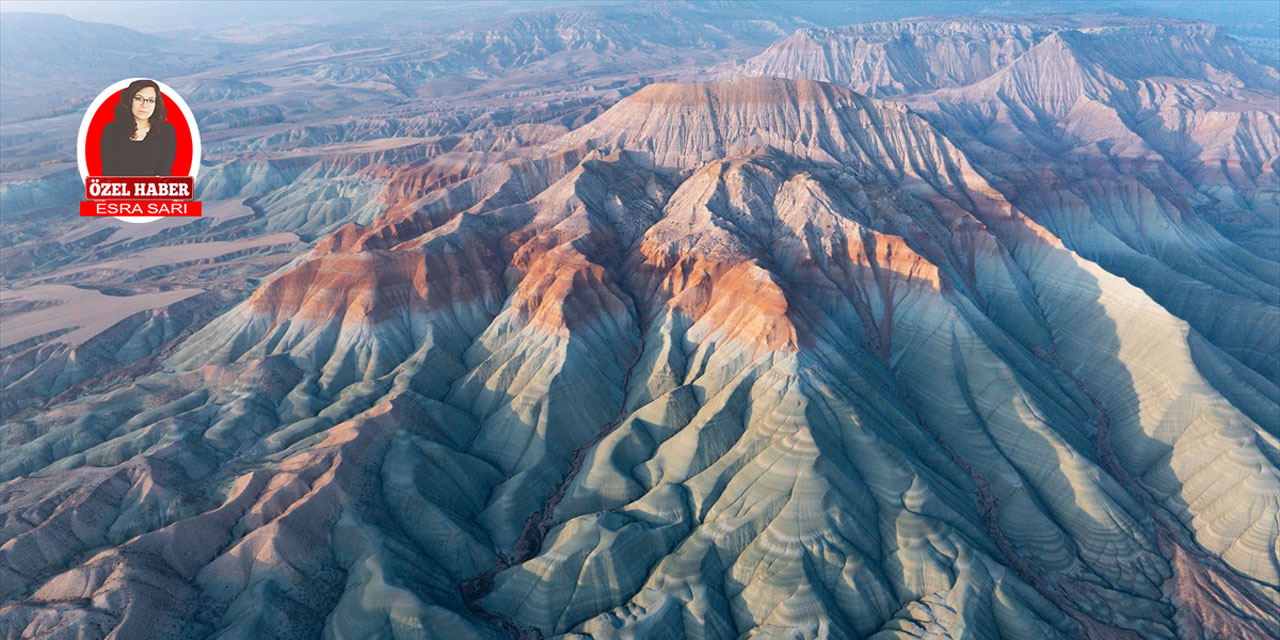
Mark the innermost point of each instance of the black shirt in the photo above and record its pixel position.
(151, 156)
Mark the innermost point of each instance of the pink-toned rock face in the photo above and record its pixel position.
(990, 353)
(888, 59)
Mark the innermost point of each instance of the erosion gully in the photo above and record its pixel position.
(535, 529)
(1200, 578)
(1198, 575)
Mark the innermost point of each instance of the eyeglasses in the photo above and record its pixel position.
(144, 101)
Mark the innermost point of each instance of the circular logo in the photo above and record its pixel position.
(109, 144)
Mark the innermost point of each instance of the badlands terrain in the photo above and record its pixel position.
(677, 321)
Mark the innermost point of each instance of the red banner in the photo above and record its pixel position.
(167, 208)
(138, 187)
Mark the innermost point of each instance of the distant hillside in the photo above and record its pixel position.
(51, 63)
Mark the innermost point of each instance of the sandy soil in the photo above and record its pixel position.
(172, 254)
(86, 311)
(220, 210)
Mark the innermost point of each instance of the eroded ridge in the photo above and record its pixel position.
(762, 357)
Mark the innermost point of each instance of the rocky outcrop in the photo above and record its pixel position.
(1077, 135)
(893, 58)
(757, 357)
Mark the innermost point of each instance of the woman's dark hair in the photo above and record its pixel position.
(124, 110)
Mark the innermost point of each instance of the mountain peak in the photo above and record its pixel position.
(740, 91)
(685, 125)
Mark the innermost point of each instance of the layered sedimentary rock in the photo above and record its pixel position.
(759, 358)
(1148, 147)
(893, 58)
(1161, 167)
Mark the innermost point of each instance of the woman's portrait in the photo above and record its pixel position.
(139, 141)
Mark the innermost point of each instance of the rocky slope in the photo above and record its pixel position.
(1160, 167)
(761, 358)
(1150, 147)
(893, 58)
